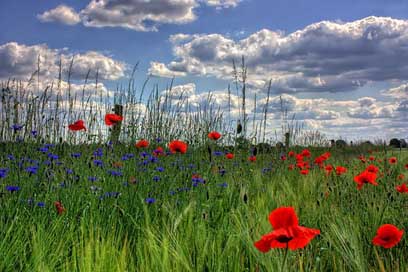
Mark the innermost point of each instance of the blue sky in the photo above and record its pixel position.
(360, 97)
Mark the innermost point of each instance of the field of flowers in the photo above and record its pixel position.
(161, 205)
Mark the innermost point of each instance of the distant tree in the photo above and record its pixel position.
(341, 143)
(394, 142)
(403, 143)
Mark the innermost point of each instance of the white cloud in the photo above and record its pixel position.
(222, 3)
(62, 14)
(160, 70)
(322, 57)
(20, 61)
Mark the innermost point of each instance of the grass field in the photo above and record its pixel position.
(123, 209)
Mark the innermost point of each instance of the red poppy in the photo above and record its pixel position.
(229, 156)
(142, 143)
(403, 188)
(283, 158)
(78, 125)
(400, 177)
(306, 153)
(329, 168)
(59, 207)
(365, 177)
(340, 170)
(372, 168)
(362, 159)
(291, 167)
(304, 172)
(291, 154)
(388, 236)
(177, 146)
(112, 119)
(371, 158)
(286, 231)
(406, 166)
(214, 135)
(252, 158)
(392, 160)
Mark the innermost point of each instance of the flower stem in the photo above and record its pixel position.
(285, 257)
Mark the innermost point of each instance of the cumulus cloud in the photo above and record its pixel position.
(20, 61)
(160, 70)
(322, 57)
(61, 14)
(138, 15)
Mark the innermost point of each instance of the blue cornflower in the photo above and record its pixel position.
(98, 163)
(53, 156)
(160, 169)
(144, 154)
(222, 171)
(98, 152)
(41, 204)
(115, 173)
(47, 162)
(3, 172)
(266, 170)
(32, 169)
(153, 159)
(69, 171)
(43, 149)
(92, 179)
(218, 153)
(150, 200)
(12, 188)
(16, 127)
(76, 155)
(224, 185)
(11, 157)
(158, 140)
(34, 133)
(156, 178)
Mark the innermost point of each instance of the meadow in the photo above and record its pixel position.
(124, 208)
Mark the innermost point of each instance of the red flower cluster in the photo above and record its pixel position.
(142, 143)
(214, 135)
(78, 125)
(286, 231)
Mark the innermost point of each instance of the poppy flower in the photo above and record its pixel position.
(291, 154)
(214, 135)
(392, 160)
(59, 207)
(229, 156)
(388, 236)
(142, 143)
(400, 177)
(403, 188)
(304, 172)
(283, 158)
(78, 125)
(112, 119)
(406, 166)
(306, 153)
(158, 151)
(177, 146)
(286, 231)
(340, 170)
(291, 167)
(365, 177)
(252, 158)
(372, 168)
(371, 158)
(329, 168)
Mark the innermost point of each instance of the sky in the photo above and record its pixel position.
(341, 67)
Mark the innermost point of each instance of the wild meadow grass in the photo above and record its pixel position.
(109, 226)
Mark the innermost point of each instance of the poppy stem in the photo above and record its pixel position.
(285, 257)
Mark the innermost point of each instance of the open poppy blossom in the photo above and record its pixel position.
(306, 153)
(177, 146)
(372, 168)
(340, 170)
(406, 166)
(388, 236)
(392, 160)
(403, 188)
(304, 172)
(229, 156)
(291, 154)
(112, 119)
(214, 135)
(365, 177)
(78, 125)
(252, 158)
(286, 231)
(142, 143)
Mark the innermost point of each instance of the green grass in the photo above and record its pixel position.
(208, 228)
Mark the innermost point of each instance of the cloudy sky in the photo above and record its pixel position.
(341, 67)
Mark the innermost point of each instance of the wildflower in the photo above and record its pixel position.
(224, 185)
(112, 119)
(34, 133)
(16, 127)
(214, 135)
(329, 168)
(12, 188)
(156, 178)
(371, 158)
(32, 170)
(365, 177)
(400, 177)
(115, 173)
(392, 160)
(76, 155)
(150, 200)
(291, 167)
(92, 179)
(304, 172)
(372, 168)
(78, 125)
(406, 166)
(403, 188)
(59, 207)
(177, 146)
(286, 231)
(387, 236)
(291, 154)
(252, 158)
(340, 170)
(158, 151)
(160, 169)
(306, 153)
(3, 172)
(41, 204)
(229, 156)
(142, 143)
(98, 163)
